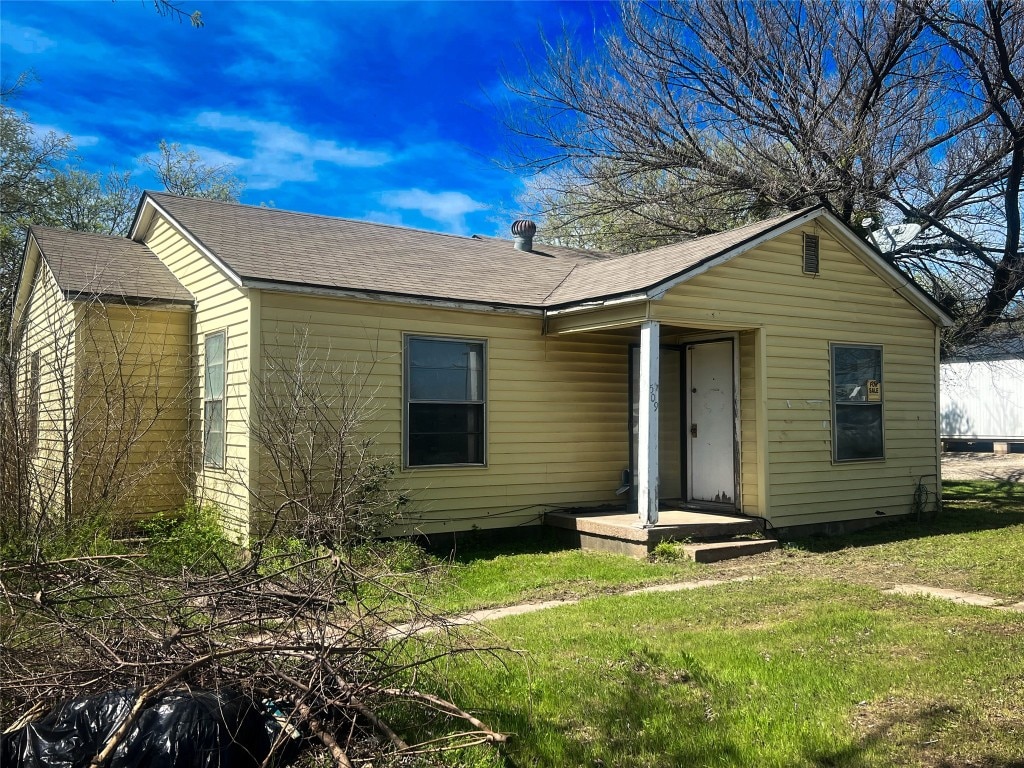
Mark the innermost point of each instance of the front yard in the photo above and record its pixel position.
(807, 663)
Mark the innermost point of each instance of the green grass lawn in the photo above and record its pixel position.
(807, 664)
(976, 544)
(779, 672)
(535, 567)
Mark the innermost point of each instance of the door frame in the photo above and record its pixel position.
(710, 338)
(631, 398)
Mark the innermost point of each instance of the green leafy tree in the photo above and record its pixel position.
(184, 172)
(42, 183)
(91, 202)
(28, 163)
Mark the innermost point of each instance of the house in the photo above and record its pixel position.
(781, 370)
(104, 331)
(983, 394)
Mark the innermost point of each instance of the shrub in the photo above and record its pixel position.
(189, 539)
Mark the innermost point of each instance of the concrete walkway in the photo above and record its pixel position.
(954, 596)
(491, 614)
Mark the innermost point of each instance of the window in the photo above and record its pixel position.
(444, 391)
(213, 400)
(857, 413)
(32, 404)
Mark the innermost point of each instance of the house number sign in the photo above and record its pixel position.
(654, 396)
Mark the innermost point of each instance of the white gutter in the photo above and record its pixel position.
(348, 293)
(635, 298)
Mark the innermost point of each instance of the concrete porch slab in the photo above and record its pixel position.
(621, 532)
(715, 551)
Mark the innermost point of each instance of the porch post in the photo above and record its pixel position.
(647, 453)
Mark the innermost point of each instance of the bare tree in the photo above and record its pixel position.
(313, 617)
(322, 476)
(174, 11)
(699, 116)
(92, 423)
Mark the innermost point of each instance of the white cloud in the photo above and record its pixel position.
(282, 154)
(24, 39)
(449, 208)
(40, 131)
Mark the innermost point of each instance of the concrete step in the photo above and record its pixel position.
(713, 551)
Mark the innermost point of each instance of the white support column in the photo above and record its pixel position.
(647, 459)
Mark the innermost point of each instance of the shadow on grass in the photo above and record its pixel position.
(913, 735)
(469, 546)
(967, 507)
(632, 723)
(615, 735)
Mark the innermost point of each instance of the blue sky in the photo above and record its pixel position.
(384, 111)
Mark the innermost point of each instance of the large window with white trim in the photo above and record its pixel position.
(858, 407)
(444, 402)
(213, 399)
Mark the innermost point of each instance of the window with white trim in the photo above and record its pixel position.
(213, 399)
(444, 402)
(33, 404)
(857, 403)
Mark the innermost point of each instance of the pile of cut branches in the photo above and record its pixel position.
(335, 646)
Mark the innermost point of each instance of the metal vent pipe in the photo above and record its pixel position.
(524, 230)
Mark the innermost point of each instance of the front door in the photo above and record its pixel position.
(711, 420)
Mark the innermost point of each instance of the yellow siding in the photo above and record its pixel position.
(798, 316)
(49, 329)
(220, 305)
(557, 408)
(131, 418)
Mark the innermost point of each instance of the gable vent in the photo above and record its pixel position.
(811, 254)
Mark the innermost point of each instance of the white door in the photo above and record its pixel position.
(712, 423)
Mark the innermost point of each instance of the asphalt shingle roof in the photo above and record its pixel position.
(266, 244)
(639, 271)
(90, 264)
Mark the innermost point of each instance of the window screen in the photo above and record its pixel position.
(444, 402)
(857, 401)
(213, 400)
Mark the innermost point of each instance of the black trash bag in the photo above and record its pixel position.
(179, 729)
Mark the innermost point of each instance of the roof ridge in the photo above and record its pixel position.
(316, 216)
(78, 232)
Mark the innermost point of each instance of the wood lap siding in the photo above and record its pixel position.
(557, 409)
(49, 329)
(145, 355)
(220, 305)
(798, 316)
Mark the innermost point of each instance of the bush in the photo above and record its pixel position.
(669, 551)
(189, 539)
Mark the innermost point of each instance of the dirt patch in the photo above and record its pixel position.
(983, 466)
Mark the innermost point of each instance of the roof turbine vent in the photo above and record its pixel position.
(524, 230)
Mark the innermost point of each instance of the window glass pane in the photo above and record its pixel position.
(852, 369)
(858, 432)
(445, 434)
(445, 370)
(214, 379)
(213, 438)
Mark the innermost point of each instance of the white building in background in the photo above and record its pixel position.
(983, 395)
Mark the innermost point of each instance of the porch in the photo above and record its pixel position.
(695, 394)
(709, 536)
